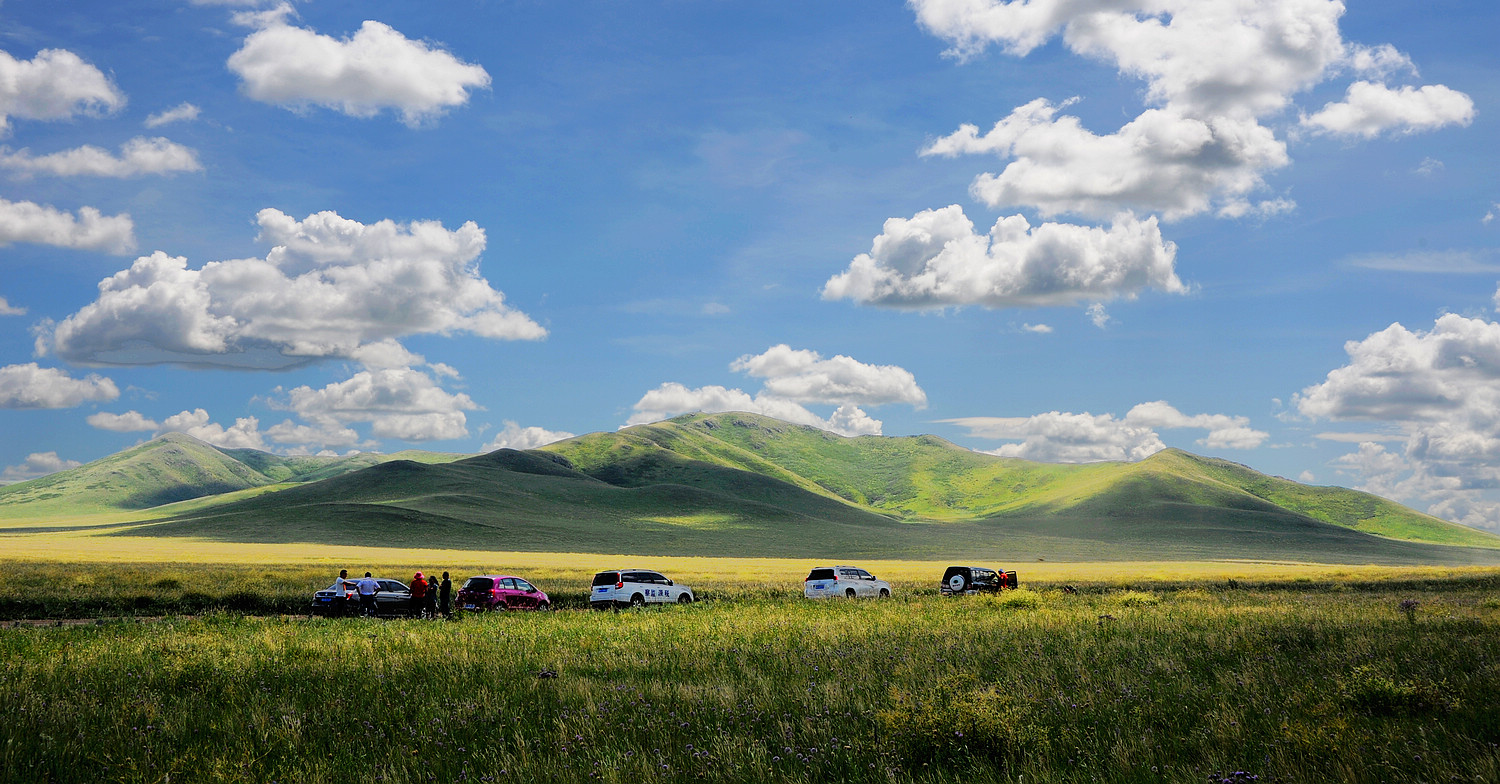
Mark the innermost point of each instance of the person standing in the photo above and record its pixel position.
(341, 586)
(419, 595)
(367, 589)
(445, 598)
(432, 597)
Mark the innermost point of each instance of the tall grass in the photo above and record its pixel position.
(1174, 684)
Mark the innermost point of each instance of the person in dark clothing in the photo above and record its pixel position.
(445, 597)
(432, 597)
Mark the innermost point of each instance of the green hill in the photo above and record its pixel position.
(168, 469)
(749, 485)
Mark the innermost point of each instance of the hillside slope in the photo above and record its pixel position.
(168, 469)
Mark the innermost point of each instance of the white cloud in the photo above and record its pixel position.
(1161, 162)
(1224, 431)
(1370, 109)
(1214, 71)
(1442, 389)
(1489, 216)
(377, 68)
(128, 422)
(323, 435)
(54, 85)
(1081, 438)
(1058, 437)
(793, 377)
(805, 377)
(330, 287)
(397, 403)
(244, 434)
(32, 386)
(137, 156)
(935, 259)
(516, 437)
(1098, 315)
(1307, 477)
(24, 221)
(183, 112)
(7, 309)
(672, 399)
(1429, 166)
(37, 464)
(1039, 329)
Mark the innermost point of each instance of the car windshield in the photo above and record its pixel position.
(478, 584)
(820, 574)
(606, 578)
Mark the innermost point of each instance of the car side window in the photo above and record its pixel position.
(522, 585)
(864, 575)
(631, 577)
(847, 573)
(508, 583)
(655, 579)
(391, 585)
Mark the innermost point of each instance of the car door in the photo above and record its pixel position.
(866, 584)
(526, 594)
(509, 594)
(394, 598)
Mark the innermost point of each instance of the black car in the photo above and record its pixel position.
(964, 580)
(342, 598)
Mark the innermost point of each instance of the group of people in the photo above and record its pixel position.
(429, 597)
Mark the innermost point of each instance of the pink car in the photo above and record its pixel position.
(501, 592)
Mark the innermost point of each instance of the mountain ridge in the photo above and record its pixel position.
(736, 482)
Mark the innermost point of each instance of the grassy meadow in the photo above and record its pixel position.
(1149, 672)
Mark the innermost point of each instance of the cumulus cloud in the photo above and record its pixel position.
(183, 112)
(935, 259)
(128, 422)
(323, 435)
(24, 221)
(397, 403)
(243, 434)
(375, 69)
(1370, 109)
(1039, 329)
(38, 464)
(330, 287)
(516, 437)
(1214, 72)
(54, 85)
(32, 386)
(806, 377)
(672, 399)
(1063, 437)
(1161, 162)
(7, 309)
(793, 378)
(1441, 388)
(137, 156)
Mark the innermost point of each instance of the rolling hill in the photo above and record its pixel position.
(171, 468)
(748, 485)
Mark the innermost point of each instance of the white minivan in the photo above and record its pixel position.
(849, 582)
(634, 588)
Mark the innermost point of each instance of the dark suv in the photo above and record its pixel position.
(964, 580)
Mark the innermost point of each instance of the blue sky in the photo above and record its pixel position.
(1068, 230)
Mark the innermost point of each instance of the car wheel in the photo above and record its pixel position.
(885, 594)
(849, 594)
(686, 598)
(637, 600)
(544, 606)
